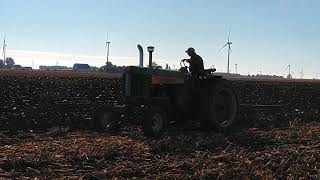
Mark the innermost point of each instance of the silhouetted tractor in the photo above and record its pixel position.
(166, 95)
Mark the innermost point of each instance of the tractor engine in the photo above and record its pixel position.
(136, 84)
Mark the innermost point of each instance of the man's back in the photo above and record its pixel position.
(196, 64)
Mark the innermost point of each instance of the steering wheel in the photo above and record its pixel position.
(183, 67)
(182, 64)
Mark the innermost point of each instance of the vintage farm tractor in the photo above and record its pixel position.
(166, 95)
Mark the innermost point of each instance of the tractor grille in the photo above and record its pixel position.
(137, 85)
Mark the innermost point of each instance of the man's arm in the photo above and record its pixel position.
(187, 60)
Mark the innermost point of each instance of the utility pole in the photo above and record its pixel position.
(260, 72)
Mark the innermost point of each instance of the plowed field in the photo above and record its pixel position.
(45, 119)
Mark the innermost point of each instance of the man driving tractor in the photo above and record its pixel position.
(195, 62)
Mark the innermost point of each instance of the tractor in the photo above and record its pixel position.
(170, 95)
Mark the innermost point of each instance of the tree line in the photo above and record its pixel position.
(8, 63)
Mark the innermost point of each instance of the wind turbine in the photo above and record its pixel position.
(289, 76)
(107, 47)
(229, 50)
(301, 74)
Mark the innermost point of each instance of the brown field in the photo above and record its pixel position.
(45, 120)
(37, 73)
(259, 79)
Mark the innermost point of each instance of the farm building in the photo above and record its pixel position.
(81, 67)
(26, 68)
(17, 66)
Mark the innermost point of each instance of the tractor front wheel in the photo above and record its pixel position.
(154, 122)
(106, 119)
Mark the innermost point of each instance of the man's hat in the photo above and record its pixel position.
(190, 50)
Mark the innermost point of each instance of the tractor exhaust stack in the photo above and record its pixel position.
(140, 55)
(150, 50)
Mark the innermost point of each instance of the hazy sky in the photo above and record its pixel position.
(267, 35)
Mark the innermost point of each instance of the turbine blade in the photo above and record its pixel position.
(229, 34)
(287, 67)
(223, 47)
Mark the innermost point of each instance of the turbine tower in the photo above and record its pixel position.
(229, 50)
(289, 76)
(107, 47)
(236, 68)
(4, 48)
(301, 74)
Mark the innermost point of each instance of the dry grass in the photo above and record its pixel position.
(268, 154)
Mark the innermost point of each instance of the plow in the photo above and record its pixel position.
(166, 97)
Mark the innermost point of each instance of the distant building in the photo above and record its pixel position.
(81, 67)
(17, 66)
(53, 68)
(27, 68)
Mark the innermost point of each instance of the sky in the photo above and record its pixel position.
(267, 35)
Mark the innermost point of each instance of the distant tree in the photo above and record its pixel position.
(111, 68)
(93, 68)
(2, 64)
(109, 64)
(9, 62)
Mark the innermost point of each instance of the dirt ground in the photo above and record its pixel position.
(287, 153)
(44, 134)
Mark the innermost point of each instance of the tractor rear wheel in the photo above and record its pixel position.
(223, 106)
(154, 123)
(105, 118)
